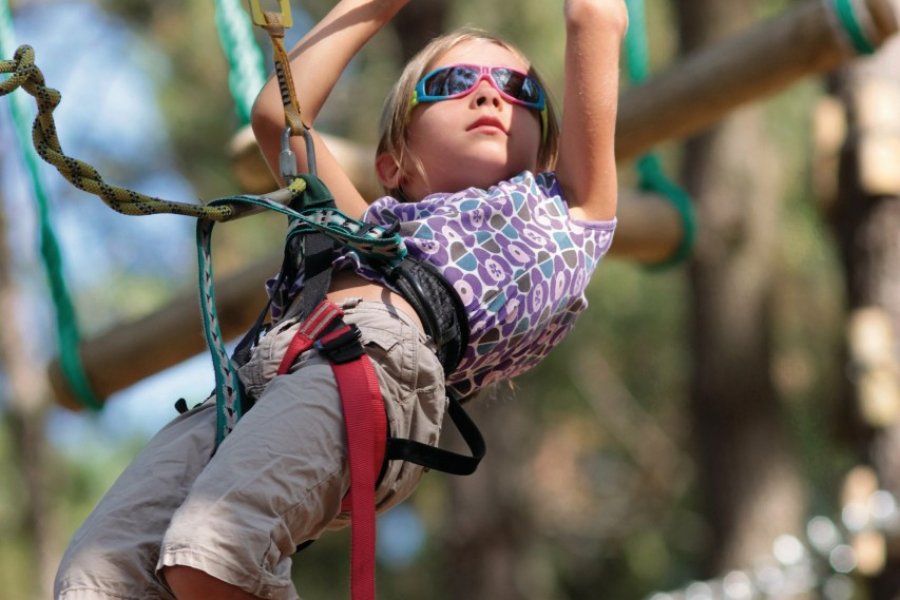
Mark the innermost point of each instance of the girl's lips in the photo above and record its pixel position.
(487, 122)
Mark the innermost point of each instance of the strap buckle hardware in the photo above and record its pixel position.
(341, 346)
(260, 17)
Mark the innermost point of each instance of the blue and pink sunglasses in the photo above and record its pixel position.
(456, 81)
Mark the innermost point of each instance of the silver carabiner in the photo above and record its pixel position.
(287, 160)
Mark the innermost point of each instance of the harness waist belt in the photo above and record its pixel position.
(438, 306)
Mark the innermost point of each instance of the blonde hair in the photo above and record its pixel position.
(393, 129)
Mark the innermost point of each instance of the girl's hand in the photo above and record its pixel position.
(611, 14)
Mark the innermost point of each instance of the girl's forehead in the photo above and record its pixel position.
(481, 52)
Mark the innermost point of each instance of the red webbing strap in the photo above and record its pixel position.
(365, 423)
(310, 330)
(366, 426)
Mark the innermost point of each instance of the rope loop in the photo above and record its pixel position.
(651, 175)
(851, 22)
(652, 178)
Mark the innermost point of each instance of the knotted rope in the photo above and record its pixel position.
(26, 75)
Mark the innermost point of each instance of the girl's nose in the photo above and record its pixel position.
(487, 93)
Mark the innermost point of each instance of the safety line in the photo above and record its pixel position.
(68, 335)
(247, 73)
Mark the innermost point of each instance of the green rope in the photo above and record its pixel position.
(247, 73)
(636, 53)
(651, 175)
(653, 179)
(66, 319)
(847, 17)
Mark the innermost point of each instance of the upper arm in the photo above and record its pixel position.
(347, 197)
(587, 165)
(316, 63)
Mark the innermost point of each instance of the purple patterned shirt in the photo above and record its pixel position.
(518, 261)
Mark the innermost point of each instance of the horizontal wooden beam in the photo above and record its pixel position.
(134, 350)
(703, 87)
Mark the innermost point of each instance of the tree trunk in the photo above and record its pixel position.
(418, 23)
(26, 401)
(489, 531)
(865, 217)
(748, 480)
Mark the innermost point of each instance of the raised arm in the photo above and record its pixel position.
(587, 165)
(317, 62)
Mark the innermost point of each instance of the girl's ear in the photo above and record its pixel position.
(388, 171)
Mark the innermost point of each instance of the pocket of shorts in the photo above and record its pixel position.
(379, 343)
(396, 361)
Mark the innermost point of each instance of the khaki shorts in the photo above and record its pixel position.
(275, 482)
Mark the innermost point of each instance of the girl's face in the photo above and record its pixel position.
(476, 140)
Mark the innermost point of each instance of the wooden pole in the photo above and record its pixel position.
(703, 87)
(134, 350)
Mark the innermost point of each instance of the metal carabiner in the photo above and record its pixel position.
(287, 160)
(259, 16)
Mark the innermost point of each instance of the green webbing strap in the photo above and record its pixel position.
(314, 214)
(247, 73)
(651, 175)
(66, 321)
(849, 20)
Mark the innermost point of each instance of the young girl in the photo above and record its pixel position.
(512, 209)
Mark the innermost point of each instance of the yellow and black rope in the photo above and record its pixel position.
(26, 75)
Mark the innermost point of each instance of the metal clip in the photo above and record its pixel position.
(287, 160)
(284, 11)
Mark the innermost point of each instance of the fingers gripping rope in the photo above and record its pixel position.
(26, 75)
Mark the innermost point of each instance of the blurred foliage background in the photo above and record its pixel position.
(602, 478)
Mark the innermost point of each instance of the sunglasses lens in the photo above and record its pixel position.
(518, 85)
(458, 80)
(450, 81)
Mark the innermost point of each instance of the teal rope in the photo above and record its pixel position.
(651, 175)
(653, 178)
(247, 73)
(636, 53)
(68, 335)
(848, 19)
(228, 389)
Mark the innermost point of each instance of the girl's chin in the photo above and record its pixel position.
(490, 168)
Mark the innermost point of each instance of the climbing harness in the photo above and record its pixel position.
(317, 231)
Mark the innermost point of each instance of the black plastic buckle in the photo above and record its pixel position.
(341, 346)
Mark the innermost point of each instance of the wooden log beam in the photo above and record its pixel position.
(703, 87)
(134, 350)
(131, 351)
